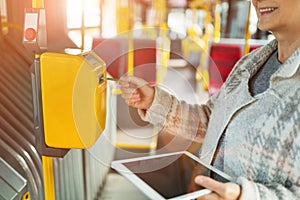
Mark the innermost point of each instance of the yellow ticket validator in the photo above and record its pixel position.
(73, 99)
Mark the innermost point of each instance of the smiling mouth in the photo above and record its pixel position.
(266, 10)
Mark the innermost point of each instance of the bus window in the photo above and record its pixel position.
(90, 25)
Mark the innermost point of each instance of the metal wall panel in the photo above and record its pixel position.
(16, 124)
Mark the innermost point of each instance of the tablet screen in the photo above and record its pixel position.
(173, 179)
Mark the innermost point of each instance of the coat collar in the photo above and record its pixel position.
(248, 65)
(289, 67)
(261, 55)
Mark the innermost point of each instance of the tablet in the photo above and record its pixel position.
(168, 176)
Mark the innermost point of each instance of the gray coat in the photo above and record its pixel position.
(262, 138)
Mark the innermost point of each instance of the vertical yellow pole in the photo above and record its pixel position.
(202, 73)
(130, 58)
(217, 21)
(163, 45)
(122, 16)
(82, 26)
(247, 31)
(37, 4)
(47, 161)
(48, 178)
(130, 54)
(162, 41)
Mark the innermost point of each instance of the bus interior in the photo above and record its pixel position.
(61, 126)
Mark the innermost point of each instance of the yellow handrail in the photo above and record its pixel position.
(49, 191)
(130, 69)
(12, 25)
(48, 178)
(217, 21)
(37, 3)
(82, 26)
(247, 31)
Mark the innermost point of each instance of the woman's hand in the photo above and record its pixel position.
(224, 191)
(137, 92)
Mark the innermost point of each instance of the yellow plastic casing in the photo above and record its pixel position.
(73, 99)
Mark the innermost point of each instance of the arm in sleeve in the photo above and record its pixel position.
(177, 117)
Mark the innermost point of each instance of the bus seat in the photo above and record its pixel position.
(145, 59)
(222, 59)
(114, 52)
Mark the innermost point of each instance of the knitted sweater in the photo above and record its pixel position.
(262, 140)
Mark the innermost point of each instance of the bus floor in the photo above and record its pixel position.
(180, 81)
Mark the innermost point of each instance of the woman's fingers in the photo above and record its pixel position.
(132, 82)
(230, 191)
(136, 92)
(134, 97)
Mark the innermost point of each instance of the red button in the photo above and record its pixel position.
(30, 34)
